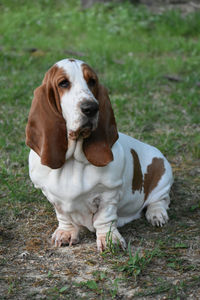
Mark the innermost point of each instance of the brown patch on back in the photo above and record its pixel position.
(154, 173)
(137, 181)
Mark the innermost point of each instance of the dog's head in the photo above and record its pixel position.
(71, 104)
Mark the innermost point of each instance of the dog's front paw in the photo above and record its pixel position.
(65, 237)
(156, 215)
(105, 240)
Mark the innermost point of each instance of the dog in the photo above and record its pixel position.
(95, 176)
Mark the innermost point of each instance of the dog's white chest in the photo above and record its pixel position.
(76, 189)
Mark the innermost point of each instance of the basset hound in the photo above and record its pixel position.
(94, 176)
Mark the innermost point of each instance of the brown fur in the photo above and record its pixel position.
(88, 74)
(97, 147)
(46, 131)
(154, 173)
(137, 181)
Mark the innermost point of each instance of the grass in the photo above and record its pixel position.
(151, 65)
(136, 263)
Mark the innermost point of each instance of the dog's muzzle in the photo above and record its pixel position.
(89, 110)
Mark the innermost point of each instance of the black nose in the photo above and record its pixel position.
(89, 108)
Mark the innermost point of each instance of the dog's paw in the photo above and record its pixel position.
(156, 215)
(106, 240)
(64, 237)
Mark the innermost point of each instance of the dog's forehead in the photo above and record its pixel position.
(72, 67)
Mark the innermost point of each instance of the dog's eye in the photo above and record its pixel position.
(64, 84)
(91, 82)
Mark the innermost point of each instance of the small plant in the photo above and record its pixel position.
(112, 247)
(63, 289)
(91, 284)
(10, 288)
(136, 263)
(102, 284)
(180, 245)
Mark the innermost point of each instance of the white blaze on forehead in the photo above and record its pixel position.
(72, 68)
(74, 72)
(69, 61)
(78, 92)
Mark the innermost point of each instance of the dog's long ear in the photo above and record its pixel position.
(97, 147)
(46, 130)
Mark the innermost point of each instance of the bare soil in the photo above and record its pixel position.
(31, 268)
(185, 6)
(157, 6)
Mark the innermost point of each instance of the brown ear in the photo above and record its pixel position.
(46, 130)
(97, 147)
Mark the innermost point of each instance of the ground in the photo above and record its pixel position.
(31, 268)
(153, 80)
(158, 6)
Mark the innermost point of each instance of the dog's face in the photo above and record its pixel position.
(68, 105)
(78, 87)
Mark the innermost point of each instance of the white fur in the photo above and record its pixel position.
(99, 198)
(79, 92)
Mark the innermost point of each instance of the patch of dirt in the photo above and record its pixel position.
(156, 6)
(159, 6)
(31, 268)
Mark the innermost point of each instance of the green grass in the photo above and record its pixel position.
(132, 51)
(136, 263)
